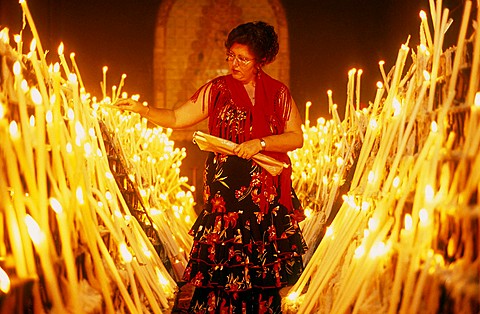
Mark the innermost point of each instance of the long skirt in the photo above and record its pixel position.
(242, 255)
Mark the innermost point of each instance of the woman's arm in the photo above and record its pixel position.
(290, 139)
(188, 114)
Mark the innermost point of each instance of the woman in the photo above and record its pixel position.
(247, 243)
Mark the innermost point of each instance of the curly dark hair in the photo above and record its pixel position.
(260, 37)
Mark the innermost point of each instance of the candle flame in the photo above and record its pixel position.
(88, 149)
(72, 77)
(4, 36)
(55, 204)
(329, 231)
(81, 135)
(378, 249)
(365, 205)
(371, 176)
(49, 117)
(408, 222)
(429, 193)
(32, 121)
(426, 75)
(17, 68)
(4, 281)
(36, 234)
(292, 297)
(36, 96)
(396, 182)
(161, 277)
(79, 195)
(422, 15)
(69, 148)
(397, 107)
(423, 215)
(14, 132)
(60, 49)
(359, 251)
(2, 110)
(125, 252)
(477, 99)
(434, 127)
(33, 45)
(424, 49)
(373, 223)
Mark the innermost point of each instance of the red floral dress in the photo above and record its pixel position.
(247, 244)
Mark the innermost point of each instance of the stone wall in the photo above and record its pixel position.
(189, 46)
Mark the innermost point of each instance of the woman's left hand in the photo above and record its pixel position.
(247, 149)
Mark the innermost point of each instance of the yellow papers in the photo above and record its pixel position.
(210, 143)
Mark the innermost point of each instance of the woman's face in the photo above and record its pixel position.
(241, 63)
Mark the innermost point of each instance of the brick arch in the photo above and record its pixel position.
(189, 45)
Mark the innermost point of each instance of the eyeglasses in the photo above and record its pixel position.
(241, 61)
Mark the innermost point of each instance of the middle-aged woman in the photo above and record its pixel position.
(247, 242)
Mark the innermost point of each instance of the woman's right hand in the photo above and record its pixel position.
(131, 105)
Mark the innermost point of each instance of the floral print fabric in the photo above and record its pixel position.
(236, 246)
(247, 243)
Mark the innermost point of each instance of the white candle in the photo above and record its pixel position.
(39, 240)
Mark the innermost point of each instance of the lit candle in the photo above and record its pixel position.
(67, 254)
(40, 157)
(307, 109)
(77, 71)
(384, 76)
(424, 24)
(63, 61)
(120, 86)
(104, 83)
(39, 240)
(28, 15)
(359, 74)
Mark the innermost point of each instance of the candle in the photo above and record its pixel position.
(424, 24)
(307, 108)
(39, 240)
(63, 61)
(359, 74)
(67, 254)
(77, 71)
(40, 157)
(104, 82)
(384, 76)
(28, 15)
(120, 86)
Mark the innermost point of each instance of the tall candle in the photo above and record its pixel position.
(384, 76)
(28, 15)
(359, 74)
(39, 240)
(424, 24)
(307, 109)
(77, 71)
(63, 61)
(67, 254)
(104, 83)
